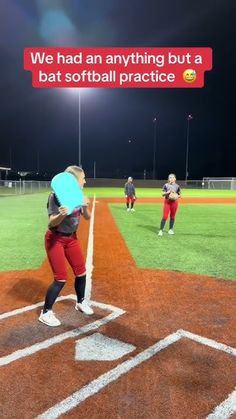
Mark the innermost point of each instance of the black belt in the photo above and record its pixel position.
(60, 233)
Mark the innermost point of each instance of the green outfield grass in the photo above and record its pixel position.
(142, 192)
(156, 193)
(23, 219)
(7, 191)
(204, 240)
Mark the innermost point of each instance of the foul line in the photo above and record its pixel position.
(89, 259)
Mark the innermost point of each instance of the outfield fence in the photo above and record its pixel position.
(219, 183)
(19, 187)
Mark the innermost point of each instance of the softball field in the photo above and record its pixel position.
(161, 344)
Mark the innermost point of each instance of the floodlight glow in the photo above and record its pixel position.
(56, 28)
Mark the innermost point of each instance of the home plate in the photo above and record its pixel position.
(98, 347)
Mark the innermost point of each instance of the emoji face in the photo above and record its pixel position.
(189, 76)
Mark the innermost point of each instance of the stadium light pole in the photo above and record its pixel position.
(154, 171)
(37, 156)
(78, 93)
(10, 156)
(189, 118)
(94, 170)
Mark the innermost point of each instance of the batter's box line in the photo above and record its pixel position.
(223, 411)
(30, 350)
(207, 342)
(33, 306)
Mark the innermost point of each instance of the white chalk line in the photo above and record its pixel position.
(90, 249)
(104, 380)
(89, 270)
(30, 350)
(209, 342)
(99, 383)
(32, 307)
(226, 409)
(223, 411)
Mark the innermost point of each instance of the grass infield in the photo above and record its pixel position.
(204, 240)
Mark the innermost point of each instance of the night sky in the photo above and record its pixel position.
(39, 127)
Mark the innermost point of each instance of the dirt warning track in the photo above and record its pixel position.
(166, 341)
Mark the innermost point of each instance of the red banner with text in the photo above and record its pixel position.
(118, 67)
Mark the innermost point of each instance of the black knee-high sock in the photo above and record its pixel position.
(162, 224)
(52, 294)
(132, 204)
(127, 204)
(172, 221)
(80, 282)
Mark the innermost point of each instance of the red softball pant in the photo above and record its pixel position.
(61, 248)
(170, 207)
(130, 199)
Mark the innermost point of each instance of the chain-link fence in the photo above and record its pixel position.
(19, 187)
(219, 183)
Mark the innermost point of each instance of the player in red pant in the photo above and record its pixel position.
(130, 194)
(61, 244)
(170, 206)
